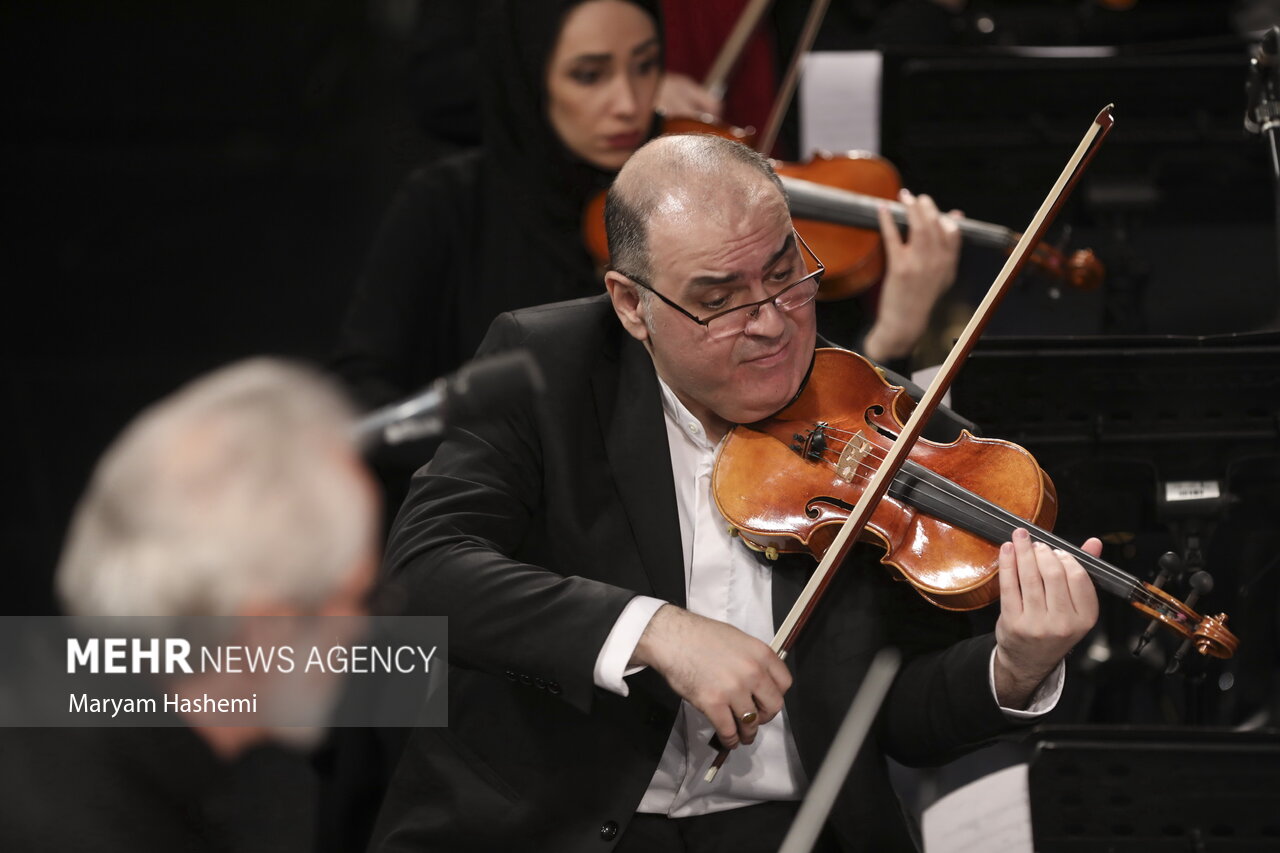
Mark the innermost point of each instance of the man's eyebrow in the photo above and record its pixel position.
(713, 280)
(729, 278)
(787, 246)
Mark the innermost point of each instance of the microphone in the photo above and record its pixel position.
(480, 389)
(1262, 91)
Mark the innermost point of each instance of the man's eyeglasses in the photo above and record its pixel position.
(727, 324)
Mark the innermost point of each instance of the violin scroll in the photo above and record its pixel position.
(1213, 638)
(1207, 634)
(1084, 270)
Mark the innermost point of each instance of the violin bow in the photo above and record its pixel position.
(897, 454)
(787, 90)
(717, 78)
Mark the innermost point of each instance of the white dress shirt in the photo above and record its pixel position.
(723, 581)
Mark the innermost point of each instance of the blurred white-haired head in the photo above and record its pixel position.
(242, 488)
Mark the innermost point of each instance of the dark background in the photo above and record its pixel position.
(186, 184)
(189, 183)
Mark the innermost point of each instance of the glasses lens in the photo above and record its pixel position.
(733, 323)
(802, 293)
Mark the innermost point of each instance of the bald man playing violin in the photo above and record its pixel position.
(604, 623)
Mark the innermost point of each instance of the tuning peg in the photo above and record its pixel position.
(1201, 585)
(1170, 564)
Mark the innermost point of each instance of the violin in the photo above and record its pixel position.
(786, 484)
(836, 199)
(835, 202)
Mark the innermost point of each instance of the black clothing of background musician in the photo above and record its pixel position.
(128, 790)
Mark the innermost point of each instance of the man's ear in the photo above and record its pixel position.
(626, 303)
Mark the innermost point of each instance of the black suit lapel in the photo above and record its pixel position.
(629, 406)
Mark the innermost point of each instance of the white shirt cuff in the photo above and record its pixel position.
(620, 645)
(1044, 700)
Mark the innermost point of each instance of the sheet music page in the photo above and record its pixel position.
(840, 102)
(990, 815)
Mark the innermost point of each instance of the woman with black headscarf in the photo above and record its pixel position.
(567, 95)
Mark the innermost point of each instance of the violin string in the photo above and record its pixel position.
(1003, 522)
(992, 513)
(981, 508)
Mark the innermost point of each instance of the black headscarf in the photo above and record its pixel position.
(533, 189)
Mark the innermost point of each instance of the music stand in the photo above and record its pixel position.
(1191, 406)
(1154, 790)
(1122, 789)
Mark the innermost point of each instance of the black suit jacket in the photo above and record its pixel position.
(531, 533)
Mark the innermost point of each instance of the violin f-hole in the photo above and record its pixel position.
(812, 507)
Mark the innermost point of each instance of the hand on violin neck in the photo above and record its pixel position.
(1047, 604)
(918, 270)
(720, 670)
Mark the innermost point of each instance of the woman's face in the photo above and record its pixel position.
(602, 79)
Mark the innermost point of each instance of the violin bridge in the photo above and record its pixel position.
(855, 450)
